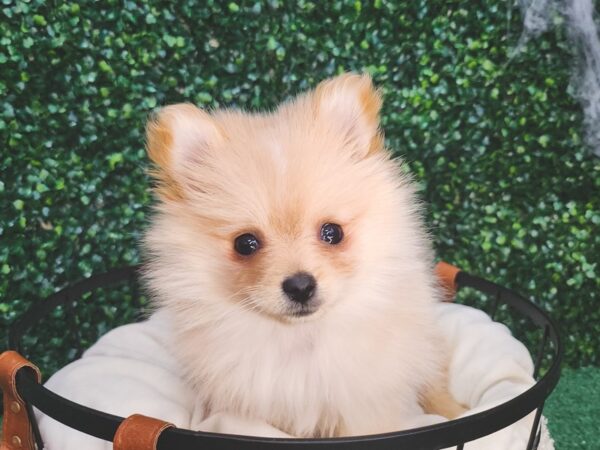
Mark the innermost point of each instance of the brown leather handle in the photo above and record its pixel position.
(446, 274)
(139, 432)
(16, 426)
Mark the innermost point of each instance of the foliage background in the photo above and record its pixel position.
(495, 142)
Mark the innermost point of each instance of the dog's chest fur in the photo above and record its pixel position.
(344, 378)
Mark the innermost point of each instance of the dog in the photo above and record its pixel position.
(289, 252)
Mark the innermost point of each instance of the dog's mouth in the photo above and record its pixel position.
(290, 312)
(303, 310)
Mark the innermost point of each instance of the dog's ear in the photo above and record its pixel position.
(350, 105)
(177, 137)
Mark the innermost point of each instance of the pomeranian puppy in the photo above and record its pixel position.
(288, 251)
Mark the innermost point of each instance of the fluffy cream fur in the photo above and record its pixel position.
(357, 365)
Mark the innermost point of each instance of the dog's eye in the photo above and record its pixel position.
(246, 244)
(331, 233)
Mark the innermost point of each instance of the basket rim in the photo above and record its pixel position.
(445, 434)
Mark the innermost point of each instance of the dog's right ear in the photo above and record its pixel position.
(177, 136)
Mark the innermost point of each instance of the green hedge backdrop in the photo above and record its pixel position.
(496, 143)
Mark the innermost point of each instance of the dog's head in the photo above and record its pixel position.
(288, 214)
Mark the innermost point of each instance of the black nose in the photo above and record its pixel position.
(300, 287)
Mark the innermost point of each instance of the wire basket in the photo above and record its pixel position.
(110, 298)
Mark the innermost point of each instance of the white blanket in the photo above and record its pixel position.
(131, 370)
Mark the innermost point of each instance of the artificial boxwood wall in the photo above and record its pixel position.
(496, 143)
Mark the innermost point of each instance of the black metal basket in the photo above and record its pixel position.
(529, 323)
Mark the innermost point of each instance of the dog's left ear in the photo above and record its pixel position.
(350, 105)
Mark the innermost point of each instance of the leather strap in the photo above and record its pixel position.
(139, 432)
(16, 426)
(446, 274)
